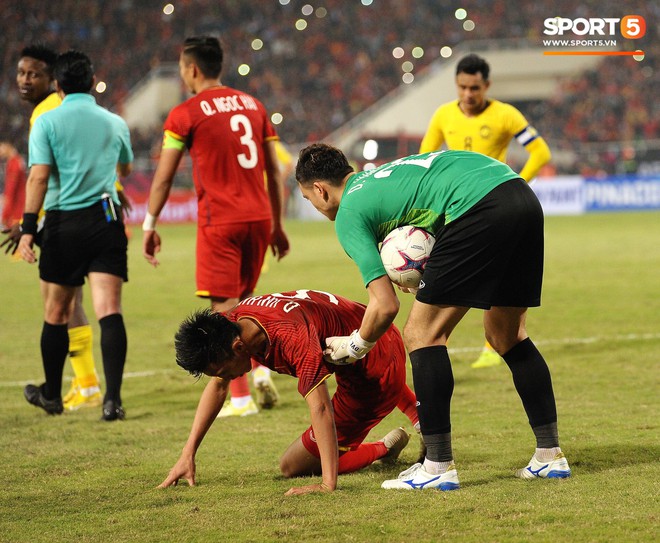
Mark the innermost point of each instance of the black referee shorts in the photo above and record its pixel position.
(490, 256)
(75, 243)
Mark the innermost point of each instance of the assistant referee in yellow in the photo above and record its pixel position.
(474, 122)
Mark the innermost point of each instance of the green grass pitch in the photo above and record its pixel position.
(73, 478)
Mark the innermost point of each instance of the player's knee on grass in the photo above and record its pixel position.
(297, 461)
(290, 469)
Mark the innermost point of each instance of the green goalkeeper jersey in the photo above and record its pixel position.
(426, 191)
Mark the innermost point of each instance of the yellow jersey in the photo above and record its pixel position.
(50, 102)
(488, 133)
(283, 155)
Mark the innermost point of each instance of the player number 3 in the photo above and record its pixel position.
(240, 123)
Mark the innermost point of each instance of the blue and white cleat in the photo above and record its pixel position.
(417, 478)
(557, 468)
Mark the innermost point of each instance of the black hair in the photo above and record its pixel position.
(203, 338)
(473, 64)
(74, 72)
(322, 161)
(206, 52)
(42, 52)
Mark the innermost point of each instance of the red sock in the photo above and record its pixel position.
(408, 404)
(239, 387)
(361, 457)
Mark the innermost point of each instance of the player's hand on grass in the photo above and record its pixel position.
(309, 489)
(183, 469)
(151, 246)
(10, 243)
(343, 350)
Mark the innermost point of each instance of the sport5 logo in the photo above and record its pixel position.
(632, 27)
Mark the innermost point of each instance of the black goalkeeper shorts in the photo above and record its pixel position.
(490, 256)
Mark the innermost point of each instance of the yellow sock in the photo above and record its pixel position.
(82, 356)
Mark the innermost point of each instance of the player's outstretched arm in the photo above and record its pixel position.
(381, 310)
(323, 424)
(209, 406)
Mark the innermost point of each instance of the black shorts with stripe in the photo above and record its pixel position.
(74, 243)
(490, 256)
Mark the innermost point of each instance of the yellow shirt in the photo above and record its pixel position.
(50, 102)
(488, 133)
(283, 155)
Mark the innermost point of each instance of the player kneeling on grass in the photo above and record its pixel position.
(286, 332)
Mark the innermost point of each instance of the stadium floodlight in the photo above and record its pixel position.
(370, 151)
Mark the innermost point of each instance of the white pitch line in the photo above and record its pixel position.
(127, 375)
(548, 342)
(573, 341)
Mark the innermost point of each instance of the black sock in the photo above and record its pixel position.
(113, 350)
(438, 447)
(532, 380)
(547, 436)
(54, 348)
(434, 385)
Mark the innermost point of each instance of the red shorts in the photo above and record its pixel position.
(229, 258)
(366, 393)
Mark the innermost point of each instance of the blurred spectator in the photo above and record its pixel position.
(320, 76)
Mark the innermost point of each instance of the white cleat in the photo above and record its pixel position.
(417, 478)
(557, 468)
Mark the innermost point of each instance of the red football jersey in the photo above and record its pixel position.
(297, 324)
(225, 131)
(14, 201)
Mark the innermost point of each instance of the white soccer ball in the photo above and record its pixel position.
(404, 253)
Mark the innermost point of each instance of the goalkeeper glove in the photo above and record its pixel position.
(343, 350)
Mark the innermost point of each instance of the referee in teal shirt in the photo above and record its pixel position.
(76, 151)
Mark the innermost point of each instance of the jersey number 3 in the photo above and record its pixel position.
(241, 125)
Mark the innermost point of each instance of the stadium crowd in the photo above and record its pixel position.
(319, 77)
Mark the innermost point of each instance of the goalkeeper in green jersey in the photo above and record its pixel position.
(488, 254)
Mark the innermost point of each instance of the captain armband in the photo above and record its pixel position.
(527, 135)
(170, 141)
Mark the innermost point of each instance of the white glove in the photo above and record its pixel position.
(343, 350)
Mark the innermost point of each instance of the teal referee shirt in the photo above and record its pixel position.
(82, 142)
